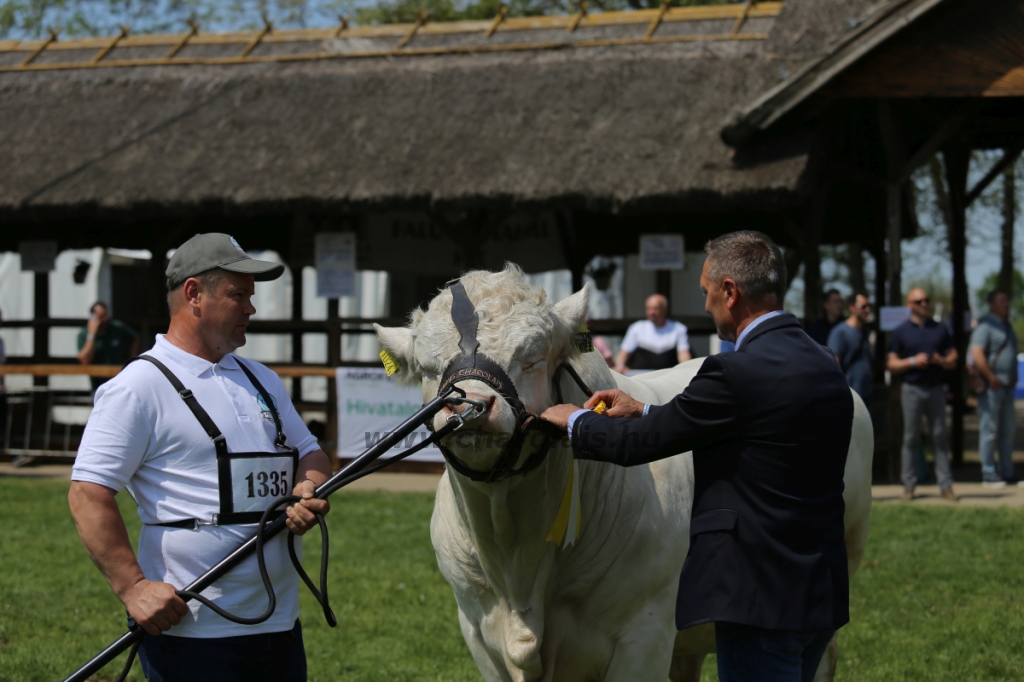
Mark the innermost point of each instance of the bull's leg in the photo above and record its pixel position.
(490, 669)
(827, 667)
(691, 647)
(644, 645)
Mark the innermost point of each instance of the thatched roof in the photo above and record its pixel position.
(606, 122)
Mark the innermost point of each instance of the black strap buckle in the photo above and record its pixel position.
(185, 394)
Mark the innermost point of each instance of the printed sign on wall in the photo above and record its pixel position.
(335, 264)
(370, 405)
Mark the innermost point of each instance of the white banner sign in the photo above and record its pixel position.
(370, 405)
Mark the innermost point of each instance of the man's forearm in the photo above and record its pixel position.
(102, 530)
(316, 467)
(87, 353)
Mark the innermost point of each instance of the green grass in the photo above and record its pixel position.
(941, 596)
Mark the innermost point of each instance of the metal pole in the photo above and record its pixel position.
(236, 557)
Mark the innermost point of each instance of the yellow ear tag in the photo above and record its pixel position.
(583, 340)
(390, 364)
(600, 407)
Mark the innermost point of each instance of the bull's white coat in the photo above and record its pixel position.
(601, 610)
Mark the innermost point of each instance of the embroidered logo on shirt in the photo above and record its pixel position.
(263, 405)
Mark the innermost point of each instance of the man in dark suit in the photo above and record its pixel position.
(769, 426)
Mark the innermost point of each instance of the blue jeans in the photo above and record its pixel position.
(995, 408)
(749, 654)
(274, 656)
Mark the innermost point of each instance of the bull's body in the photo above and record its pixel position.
(603, 608)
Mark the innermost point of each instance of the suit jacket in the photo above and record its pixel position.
(770, 428)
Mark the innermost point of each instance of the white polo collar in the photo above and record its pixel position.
(193, 363)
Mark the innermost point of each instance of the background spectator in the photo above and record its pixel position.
(654, 343)
(849, 342)
(922, 351)
(994, 352)
(833, 306)
(105, 341)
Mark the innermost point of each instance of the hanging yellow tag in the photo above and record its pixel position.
(568, 515)
(390, 364)
(583, 340)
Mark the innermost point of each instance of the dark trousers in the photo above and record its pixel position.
(749, 654)
(274, 657)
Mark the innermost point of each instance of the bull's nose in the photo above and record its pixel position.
(487, 400)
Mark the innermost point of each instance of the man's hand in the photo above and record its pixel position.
(995, 384)
(93, 325)
(618, 402)
(559, 415)
(301, 514)
(922, 359)
(154, 606)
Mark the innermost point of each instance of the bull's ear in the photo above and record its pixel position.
(396, 355)
(573, 310)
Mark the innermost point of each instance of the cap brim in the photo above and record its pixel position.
(261, 270)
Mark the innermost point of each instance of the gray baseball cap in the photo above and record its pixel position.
(208, 251)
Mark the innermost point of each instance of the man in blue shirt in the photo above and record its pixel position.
(994, 352)
(922, 352)
(833, 307)
(849, 342)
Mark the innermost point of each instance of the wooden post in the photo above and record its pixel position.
(296, 336)
(1009, 210)
(663, 286)
(957, 155)
(894, 146)
(333, 360)
(810, 250)
(855, 263)
(41, 330)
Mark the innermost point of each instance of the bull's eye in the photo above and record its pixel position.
(533, 365)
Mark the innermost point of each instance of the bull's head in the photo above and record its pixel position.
(516, 328)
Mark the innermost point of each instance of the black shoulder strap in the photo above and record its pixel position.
(267, 399)
(204, 419)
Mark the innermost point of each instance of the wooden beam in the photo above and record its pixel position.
(948, 129)
(656, 21)
(1002, 164)
(317, 35)
(580, 16)
(957, 157)
(110, 46)
(499, 17)
(421, 19)
(194, 25)
(742, 17)
(39, 50)
(268, 26)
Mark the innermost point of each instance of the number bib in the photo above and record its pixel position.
(250, 482)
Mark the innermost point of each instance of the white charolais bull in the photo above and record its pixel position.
(601, 608)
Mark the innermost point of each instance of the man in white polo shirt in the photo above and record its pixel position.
(200, 483)
(654, 343)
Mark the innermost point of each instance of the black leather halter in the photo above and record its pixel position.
(471, 365)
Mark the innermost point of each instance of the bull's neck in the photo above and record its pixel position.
(509, 522)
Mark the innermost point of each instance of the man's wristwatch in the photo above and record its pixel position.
(913, 361)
